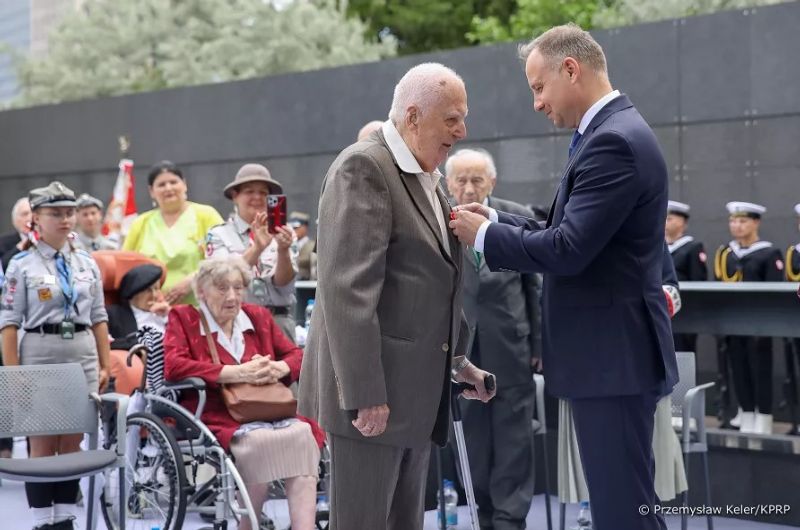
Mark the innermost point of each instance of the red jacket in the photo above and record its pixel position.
(186, 355)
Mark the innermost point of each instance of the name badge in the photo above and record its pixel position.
(67, 329)
(49, 279)
(45, 294)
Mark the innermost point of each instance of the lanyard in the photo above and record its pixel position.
(67, 283)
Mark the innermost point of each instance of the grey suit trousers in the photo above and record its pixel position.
(376, 487)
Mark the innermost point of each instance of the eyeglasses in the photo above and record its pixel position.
(69, 214)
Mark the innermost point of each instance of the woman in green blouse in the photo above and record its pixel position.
(173, 232)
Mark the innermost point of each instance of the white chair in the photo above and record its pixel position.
(689, 405)
(540, 429)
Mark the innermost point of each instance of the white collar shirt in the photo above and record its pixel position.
(428, 181)
(594, 109)
(235, 344)
(148, 318)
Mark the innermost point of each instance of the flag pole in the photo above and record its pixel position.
(124, 145)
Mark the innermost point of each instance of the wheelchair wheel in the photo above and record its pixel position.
(155, 480)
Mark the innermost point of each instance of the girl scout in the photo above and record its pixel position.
(55, 294)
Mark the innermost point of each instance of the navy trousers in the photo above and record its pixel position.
(615, 439)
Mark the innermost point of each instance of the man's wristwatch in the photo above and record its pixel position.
(459, 363)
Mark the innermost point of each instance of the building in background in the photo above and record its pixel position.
(25, 26)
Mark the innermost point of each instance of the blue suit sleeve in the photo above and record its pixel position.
(518, 220)
(604, 193)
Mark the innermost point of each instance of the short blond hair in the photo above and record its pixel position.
(214, 271)
(568, 40)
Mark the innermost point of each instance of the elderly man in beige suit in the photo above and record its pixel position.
(386, 334)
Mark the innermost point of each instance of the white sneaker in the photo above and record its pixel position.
(748, 422)
(736, 421)
(763, 423)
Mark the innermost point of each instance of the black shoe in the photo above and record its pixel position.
(66, 524)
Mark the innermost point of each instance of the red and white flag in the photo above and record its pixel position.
(121, 209)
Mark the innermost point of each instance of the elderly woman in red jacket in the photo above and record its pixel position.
(251, 349)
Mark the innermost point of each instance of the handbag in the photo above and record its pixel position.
(247, 402)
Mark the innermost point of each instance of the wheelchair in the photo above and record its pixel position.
(175, 464)
(168, 447)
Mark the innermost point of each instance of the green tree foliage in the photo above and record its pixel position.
(627, 12)
(427, 25)
(529, 18)
(532, 17)
(112, 47)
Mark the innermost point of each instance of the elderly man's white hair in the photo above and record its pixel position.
(15, 208)
(491, 169)
(420, 86)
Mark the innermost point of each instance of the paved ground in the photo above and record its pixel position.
(16, 516)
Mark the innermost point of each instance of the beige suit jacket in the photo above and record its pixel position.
(387, 316)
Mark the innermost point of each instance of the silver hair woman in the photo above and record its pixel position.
(252, 349)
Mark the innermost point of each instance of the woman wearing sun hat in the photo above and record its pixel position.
(273, 257)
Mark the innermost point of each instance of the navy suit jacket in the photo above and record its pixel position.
(605, 327)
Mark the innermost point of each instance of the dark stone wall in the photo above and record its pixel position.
(719, 90)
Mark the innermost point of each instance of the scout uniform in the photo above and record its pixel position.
(85, 241)
(235, 237)
(750, 357)
(56, 296)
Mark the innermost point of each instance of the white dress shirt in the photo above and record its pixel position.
(429, 181)
(235, 344)
(587, 118)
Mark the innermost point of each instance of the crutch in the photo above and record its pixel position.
(463, 459)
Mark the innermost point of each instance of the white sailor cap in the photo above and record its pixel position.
(797, 209)
(679, 208)
(747, 209)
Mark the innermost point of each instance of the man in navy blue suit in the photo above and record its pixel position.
(607, 341)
